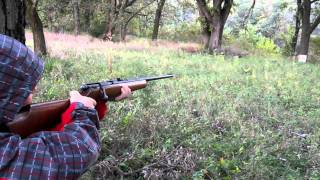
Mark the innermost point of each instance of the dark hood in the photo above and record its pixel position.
(20, 71)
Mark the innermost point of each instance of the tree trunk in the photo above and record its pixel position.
(214, 19)
(295, 37)
(116, 18)
(120, 25)
(76, 16)
(306, 27)
(206, 35)
(37, 28)
(87, 17)
(205, 29)
(12, 18)
(110, 19)
(123, 32)
(216, 35)
(50, 15)
(303, 47)
(157, 20)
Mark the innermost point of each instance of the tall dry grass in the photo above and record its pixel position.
(61, 44)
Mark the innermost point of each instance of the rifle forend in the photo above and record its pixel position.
(44, 116)
(109, 90)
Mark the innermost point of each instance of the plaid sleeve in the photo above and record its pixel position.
(52, 155)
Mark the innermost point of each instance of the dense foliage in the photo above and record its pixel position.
(273, 22)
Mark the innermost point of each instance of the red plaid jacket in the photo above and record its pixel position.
(63, 154)
(53, 154)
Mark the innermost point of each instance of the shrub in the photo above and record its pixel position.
(182, 32)
(314, 51)
(267, 45)
(255, 43)
(97, 28)
(286, 38)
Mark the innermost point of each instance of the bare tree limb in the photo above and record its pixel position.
(226, 9)
(249, 13)
(139, 14)
(315, 24)
(203, 8)
(138, 11)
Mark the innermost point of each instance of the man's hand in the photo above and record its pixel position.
(125, 92)
(75, 96)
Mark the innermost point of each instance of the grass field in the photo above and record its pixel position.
(219, 118)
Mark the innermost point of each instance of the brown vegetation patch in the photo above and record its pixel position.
(190, 49)
(232, 51)
(175, 164)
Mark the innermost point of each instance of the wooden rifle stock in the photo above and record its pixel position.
(44, 116)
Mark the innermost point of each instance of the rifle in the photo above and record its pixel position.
(43, 116)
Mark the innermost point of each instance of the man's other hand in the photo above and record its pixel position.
(75, 96)
(125, 92)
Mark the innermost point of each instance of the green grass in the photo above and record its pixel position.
(248, 118)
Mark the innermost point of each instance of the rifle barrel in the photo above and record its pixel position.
(158, 77)
(96, 85)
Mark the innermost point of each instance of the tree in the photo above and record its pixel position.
(119, 14)
(76, 15)
(111, 16)
(12, 18)
(56, 15)
(126, 19)
(88, 12)
(157, 19)
(305, 24)
(297, 28)
(36, 26)
(213, 20)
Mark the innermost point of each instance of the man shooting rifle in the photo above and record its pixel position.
(62, 152)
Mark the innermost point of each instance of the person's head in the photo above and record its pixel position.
(20, 71)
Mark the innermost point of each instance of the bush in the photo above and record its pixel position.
(267, 45)
(253, 42)
(286, 38)
(97, 29)
(314, 51)
(182, 32)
